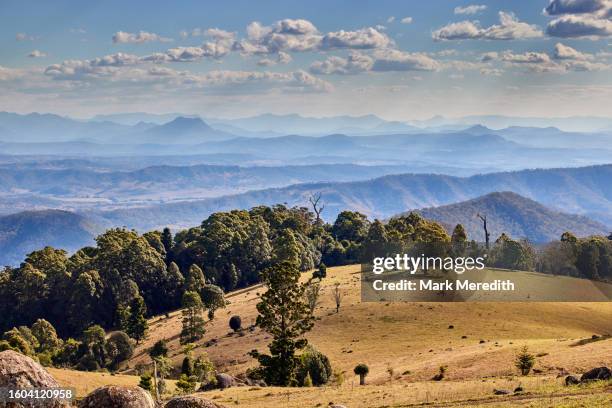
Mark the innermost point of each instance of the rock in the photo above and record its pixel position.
(571, 380)
(599, 373)
(191, 401)
(336, 406)
(118, 397)
(501, 392)
(225, 381)
(518, 389)
(19, 371)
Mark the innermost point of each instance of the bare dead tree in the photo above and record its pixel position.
(486, 231)
(337, 296)
(316, 207)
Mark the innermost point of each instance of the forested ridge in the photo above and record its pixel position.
(127, 277)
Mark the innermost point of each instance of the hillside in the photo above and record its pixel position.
(27, 231)
(513, 214)
(412, 339)
(585, 191)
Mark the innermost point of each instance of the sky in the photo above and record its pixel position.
(400, 60)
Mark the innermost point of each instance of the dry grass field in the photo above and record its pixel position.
(404, 344)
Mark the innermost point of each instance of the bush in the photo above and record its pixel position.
(186, 384)
(524, 361)
(187, 366)
(235, 323)
(118, 348)
(313, 364)
(159, 349)
(146, 382)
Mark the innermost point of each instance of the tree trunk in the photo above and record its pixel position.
(361, 379)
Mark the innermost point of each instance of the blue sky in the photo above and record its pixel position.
(397, 59)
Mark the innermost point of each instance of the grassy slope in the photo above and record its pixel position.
(414, 340)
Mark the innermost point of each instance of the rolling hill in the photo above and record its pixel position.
(513, 214)
(584, 191)
(27, 231)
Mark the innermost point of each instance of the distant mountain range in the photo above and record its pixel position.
(507, 212)
(585, 191)
(513, 214)
(27, 231)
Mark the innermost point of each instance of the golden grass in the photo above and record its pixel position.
(414, 340)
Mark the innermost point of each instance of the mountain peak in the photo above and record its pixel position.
(187, 123)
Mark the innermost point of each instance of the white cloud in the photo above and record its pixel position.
(489, 56)
(365, 38)
(24, 37)
(406, 20)
(509, 28)
(565, 52)
(530, 57)
(395, 60)
(391, 19)
(471, 9)
(7, 74)
(386, 60)
(122, 37)
(37, 54)
(579, 26)
(284, 58)
(353, 64)
(491, 71)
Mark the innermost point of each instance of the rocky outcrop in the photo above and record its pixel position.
(19, 371)
(118, 397)
(571, 380)
(191, 401)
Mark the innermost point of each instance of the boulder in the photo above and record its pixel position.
(19, 371)
(571, 380)
(501, 392)
(225, 381)
(191, 401)
(599, 373)
(118, 397)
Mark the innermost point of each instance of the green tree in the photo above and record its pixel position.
(362, 371)
(193, 322)
(524, 361)
(284, 313)
(351, 226)
(46, 335)
(235, 323)
(159, 349)
(203, 369)
(94, 339)
(186, 384)
(167, 240)
(118, 348)
(187, 366)
(213, 298)
(137, 323)
(286, 248)
(195, 280)
(146, 382)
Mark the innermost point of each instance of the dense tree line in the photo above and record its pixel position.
(127, 277)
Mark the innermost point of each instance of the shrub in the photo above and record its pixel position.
(186, 384)
(235, 323)
(440, 375)
(315, 365)
(187, 366)
(159, 349)
(146, 382)
(118, 348)
(524, 361)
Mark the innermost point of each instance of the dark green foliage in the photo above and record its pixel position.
(524, 361)
(159, 349)
(350, 226)
(186, 384)
(235, 323)
(195, 279)
(362, 371)
(213, 298)
(321, 271)
(137, 323)
(510, 254)
(146, 382)
(284, 313)
(119, 348)
(315, 366)
(193, 322)
(187, 366)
